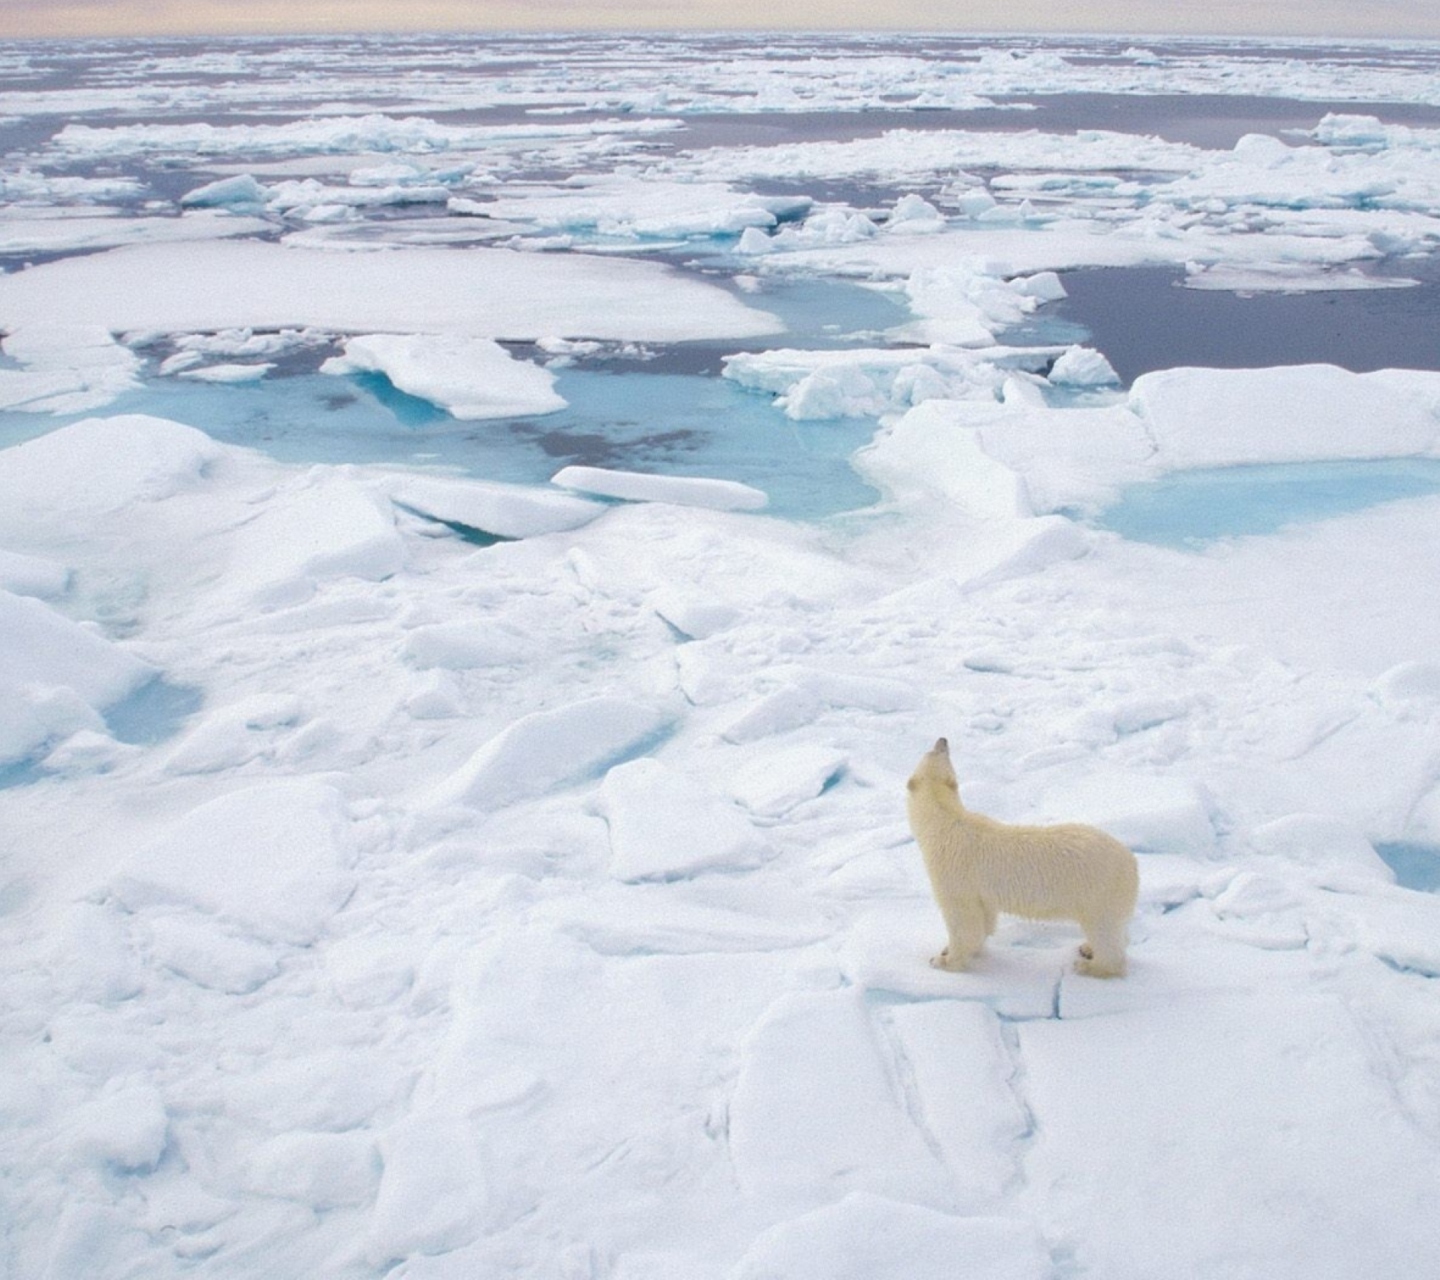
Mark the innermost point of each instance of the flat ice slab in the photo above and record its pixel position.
(683, 491)
(491, 293)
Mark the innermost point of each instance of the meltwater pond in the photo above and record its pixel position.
(1191, 508)
(627, 415)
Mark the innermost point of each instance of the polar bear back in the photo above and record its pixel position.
(1069, 871)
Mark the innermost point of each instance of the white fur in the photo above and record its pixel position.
(979, 867)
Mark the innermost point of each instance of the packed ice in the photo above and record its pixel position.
(408, 871)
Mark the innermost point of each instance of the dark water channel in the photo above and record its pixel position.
(1143, 319)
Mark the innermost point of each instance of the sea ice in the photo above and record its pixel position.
(664, 825)
(548, 749)
(506, 511)
(869, 1237)
(274, 860)
(685, 491)
(58, 676)
(468, 377)
(539, 901)
(171, 288)
(65, 369)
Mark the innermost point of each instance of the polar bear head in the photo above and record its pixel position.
(935, 772)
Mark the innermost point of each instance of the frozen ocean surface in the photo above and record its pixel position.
(487, 527)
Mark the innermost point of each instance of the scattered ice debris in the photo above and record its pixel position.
(65, 369)
(685, 491)
(468, 377)
(1082, 367)
(870, 382)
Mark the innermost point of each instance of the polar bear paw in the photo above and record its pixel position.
(944, 961)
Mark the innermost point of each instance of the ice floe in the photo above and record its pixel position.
(468, 377)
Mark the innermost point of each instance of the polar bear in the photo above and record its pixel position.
(979, 867)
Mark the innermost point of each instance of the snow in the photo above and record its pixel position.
(867, 1236)
(506, 881)
(272, 861)
(664, 825)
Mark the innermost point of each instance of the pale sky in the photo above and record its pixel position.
(1377, 18)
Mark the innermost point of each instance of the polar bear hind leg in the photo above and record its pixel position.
(1102, 954)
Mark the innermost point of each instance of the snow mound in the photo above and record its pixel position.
(1083, 367)
(550, 749)
(1322, 843)
(665, 825)
(101, 465)
(275, 861)
(1000, 550)
(684, 491)
(468, 377)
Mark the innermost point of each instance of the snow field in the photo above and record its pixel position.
(529, 893)
(293, 958)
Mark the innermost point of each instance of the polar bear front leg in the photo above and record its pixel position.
(969, 923)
